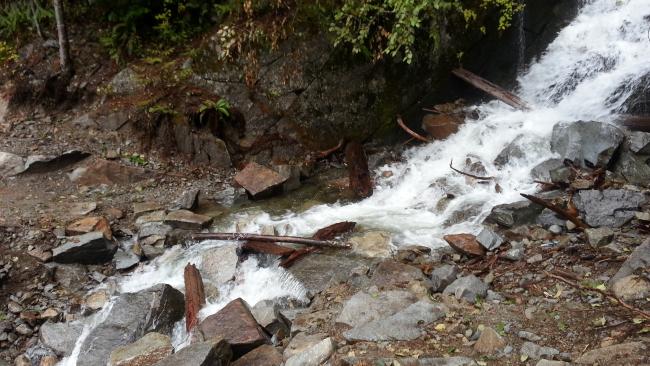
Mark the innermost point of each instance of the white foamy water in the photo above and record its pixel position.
(586, 73)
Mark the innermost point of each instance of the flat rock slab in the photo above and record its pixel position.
(403, 326)
(142, 208)
(91, 248)
(362, 307)
(639, 259)
(611, 207)
(314, 355)
(259, 181)
(265, 355)
(148, 350)
(465, 244)
(235, 324)
(301, 342)
(316, 270)
(49, 163)
(391, 274)
(60, 337)
(632, 353)
(88, 224)
(99, 171)
(210, 353)
(184, 219)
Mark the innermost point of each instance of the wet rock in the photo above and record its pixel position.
(89, 224)
(599, 237)
(631, 288)
(639, 259)
(189, 200)
(267, 314)
(362, 307)
(148, 350)
(301, 342)
(215, 352)
(125, 82)
(142, 208)
(130, 317)
(97, 299)
(316, 270)
(511, 152)
(235, 324)
(60, 337)
(292, 174)
(184, 219)
(631, 353)
(536, 352)
(374, 244)
(489, 342)
(465, 244)
(392, 274)
(91, 248)
(634, 168)
(152, 252)
(611, 207)
(218, 264)
(440, 126)
(543, 170)
(514, 214)
(403, 325)
(11, 164)
(586, 141)
(100, 171)
(469, 288)
(259, 181)
(442, 276)
(314, 355)
(125, 260)
(639, 142)
(489, 239)
(264, 355)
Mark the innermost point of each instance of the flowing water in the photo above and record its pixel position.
(587, 73)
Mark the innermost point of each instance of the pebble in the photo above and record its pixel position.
(529, 336)
(534, 259)
(24, 329)
(555, 229)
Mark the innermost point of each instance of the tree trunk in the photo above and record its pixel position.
(64, 44)
(360, 181)
(491, 88)
(194, 296)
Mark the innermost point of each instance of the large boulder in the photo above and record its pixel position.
(587, 142)
(316, 270)
(90, 248)
(635, 168)
(236, 324)
(214, 352)
(611, 207)
(218, 265)
(131, 316)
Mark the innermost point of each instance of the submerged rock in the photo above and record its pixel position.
(611, 207)
(90, 248)
(130, 317)
(586, 142)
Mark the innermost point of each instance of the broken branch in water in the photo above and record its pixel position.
(326, 233)
(415, 135)
(194, 296)
(491, 88)
(558, 210)
(268, 238)
(644, 314)
(468, 174)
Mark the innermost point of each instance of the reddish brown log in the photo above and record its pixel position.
(267, 238)
(412, 133)
(491, 88)
(566, 213)
(635, 123)
(266, 248)
(194, 296)
(326, 233)
(325, 153)
(360, 182)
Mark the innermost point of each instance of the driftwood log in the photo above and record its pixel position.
(266, 248)
(194, 296)
(268, 238)
(491, 88)
(326, 233)
(360, 181)
(567, 214)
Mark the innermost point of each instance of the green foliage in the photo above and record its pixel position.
(7, 53)
(19, 16)
(161, 109)
(136, 159)
(379, 28)
(221, 106)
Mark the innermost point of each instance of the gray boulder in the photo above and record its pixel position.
(218, 264)
(543, 170)
(639, 142)
(469, 288)
(362, 307)
(60, 337)
(598, 237)
(442, 276)
(125, 260)
(90, 248)
(314, 355)
(214, 352)
(611, 207)
(586, 141)
(489, 239)
(189, 200)
(639, 259)
(402, 326)
(131, 316)
(11, 164)
(634, 168)
(125, 82)
(514, 214)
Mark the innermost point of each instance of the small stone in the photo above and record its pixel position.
(142, 208)
(529, 336)
(442, 276)
(97, 300)
(489, 342)
(555, 229)
(48, 360)
(465, 244)
(184, 219)
(14, 307)
(552, 363)
(24, 329)
(489, 239)
(89, 224)
(599, 237)
(49, 313)
(125, 260)
(22, 360)
(315, 355)
(536, 352)
(514, 254)
(469, 288)
(535, 259)
(570, 225)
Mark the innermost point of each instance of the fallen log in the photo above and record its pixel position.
(360, 181)
(326, 233)
(266, 248)
(194, 296)
(635, 123)
(558, 210)
(268, 238)
(491, 88)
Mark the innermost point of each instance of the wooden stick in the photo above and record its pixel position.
(558, 210)
(468, 174)
(268, 238)
(325, 153)
(194, 296)
(415, 135)
(491, 88)
(604, 293)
